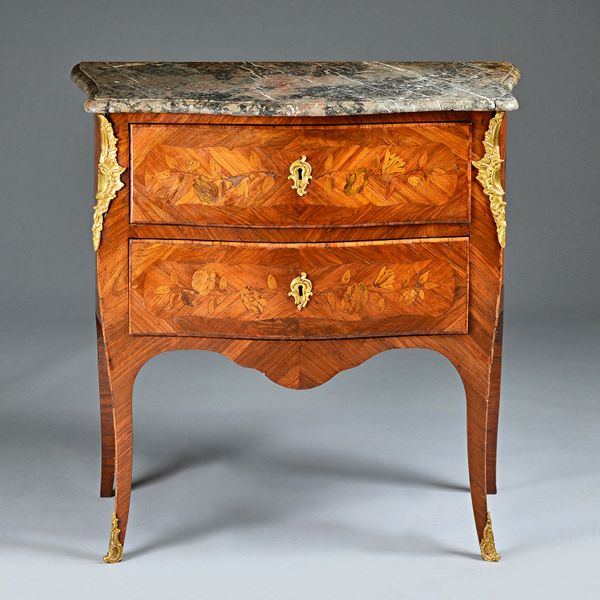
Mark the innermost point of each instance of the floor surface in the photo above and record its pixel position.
(356, 490)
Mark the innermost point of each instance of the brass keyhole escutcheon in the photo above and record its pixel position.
(300, 174)
(301, 290)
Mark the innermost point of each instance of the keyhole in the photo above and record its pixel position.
(300, 291)
(300, 172)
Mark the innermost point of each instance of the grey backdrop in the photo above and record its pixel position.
(246, 490)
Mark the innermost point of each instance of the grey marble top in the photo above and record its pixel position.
(295, 88)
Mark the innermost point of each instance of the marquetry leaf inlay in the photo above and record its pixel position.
(247, 291)
(219, 176)
(400, 286)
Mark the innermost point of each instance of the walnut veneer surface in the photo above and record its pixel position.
(299, 245)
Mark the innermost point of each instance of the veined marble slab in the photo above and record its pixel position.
(296, 88)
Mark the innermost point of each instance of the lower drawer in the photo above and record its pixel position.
(241, 290)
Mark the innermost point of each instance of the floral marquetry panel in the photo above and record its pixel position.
(242, 290)
(360, 174)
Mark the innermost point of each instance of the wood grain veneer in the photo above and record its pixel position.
(247, 242)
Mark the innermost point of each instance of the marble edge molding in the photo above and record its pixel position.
(459, 98)
(83, 81)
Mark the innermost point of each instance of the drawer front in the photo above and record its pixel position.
(190, 288)
(360, 174)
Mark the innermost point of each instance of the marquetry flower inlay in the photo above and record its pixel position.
(187, 180)
(413, 287)
(208, 288)
(423, 173)
(205, 283)
(252, 300)
(390, 169)
(221, 176)
(353, 296)
(392, 164)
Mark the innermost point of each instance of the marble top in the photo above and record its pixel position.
(296, 88)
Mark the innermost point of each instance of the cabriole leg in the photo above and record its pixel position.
(477, 415)
(122, 391)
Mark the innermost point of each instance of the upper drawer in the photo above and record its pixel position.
(228, 175)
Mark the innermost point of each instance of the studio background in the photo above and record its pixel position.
(355, 489)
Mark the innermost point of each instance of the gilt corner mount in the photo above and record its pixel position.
(109, 177)
(490, 175)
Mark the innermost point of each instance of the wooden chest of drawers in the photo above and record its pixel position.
(299, 230)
